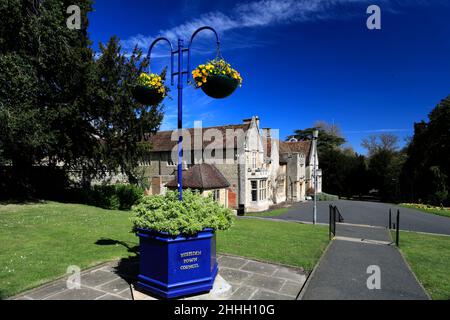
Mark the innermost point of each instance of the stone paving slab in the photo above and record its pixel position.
(249, 280)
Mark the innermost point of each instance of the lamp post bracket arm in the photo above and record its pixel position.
(192, 39)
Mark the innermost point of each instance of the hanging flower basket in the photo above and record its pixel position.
(149, 89)
(217, 79)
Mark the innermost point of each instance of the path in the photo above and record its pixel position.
(342, 271)
(372, 214)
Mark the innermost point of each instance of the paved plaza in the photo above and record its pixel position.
(249, 280)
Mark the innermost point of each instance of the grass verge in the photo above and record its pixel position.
(288, 243)
(271, 213)
(39, 241)
(429, 258)
(435, 210)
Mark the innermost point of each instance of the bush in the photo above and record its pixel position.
(128, 195)
(326, 197)
(165, 213)
(113, 197)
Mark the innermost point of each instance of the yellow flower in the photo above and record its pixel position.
(199, 84)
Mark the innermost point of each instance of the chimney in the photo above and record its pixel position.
(266, 132)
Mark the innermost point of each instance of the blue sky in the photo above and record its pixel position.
(301, 61)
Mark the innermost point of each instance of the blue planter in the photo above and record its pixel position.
(172, 267)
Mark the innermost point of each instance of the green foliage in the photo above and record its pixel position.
(114, 197)
(344, 171)
(120, 122)
(61, 104)
(165, 213)
(384, 171)
(327, 140)
(128, 195)
(426, 174)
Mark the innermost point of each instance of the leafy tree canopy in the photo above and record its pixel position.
(60, 104)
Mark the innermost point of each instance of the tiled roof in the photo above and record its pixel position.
(303, 147)
(296, 147)
(202, 177)
(161, 141)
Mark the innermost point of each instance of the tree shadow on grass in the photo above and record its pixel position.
(130, 246)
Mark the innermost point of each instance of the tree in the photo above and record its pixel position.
(59, 106)
(426, 174)
(118, 122)
(384, 165)
(343, 170)
(382, 142)
(42, 72)
(327, 140)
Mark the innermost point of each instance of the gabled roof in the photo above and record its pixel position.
(161, 141)
(296, 147)
(303, 147)
(201, 177)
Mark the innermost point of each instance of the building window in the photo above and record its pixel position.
(168, 157)
(254, 190)
(259, 190)
(262, 189)
(216, 195)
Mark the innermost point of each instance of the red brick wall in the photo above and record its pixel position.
(232, 199)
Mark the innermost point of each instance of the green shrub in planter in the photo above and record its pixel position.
(165, 213)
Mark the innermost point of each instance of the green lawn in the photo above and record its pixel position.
(283, 242)
(272, 213)
(39, 241)
(429, 258)
(438, 211)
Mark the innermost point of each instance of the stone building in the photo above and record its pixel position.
(261, 170)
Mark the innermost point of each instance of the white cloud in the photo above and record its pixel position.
(254, 14)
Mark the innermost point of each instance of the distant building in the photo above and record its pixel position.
(260, 169)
